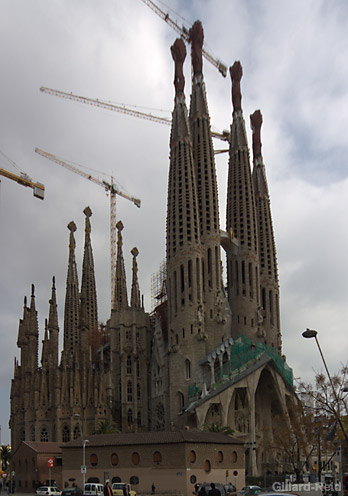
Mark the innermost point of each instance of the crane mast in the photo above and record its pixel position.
(113, 189)
(185, 34)
(23, 179)
(224, 136)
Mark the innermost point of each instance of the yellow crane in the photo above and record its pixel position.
(23, 179)
(113, 189)
(224, 136)
(185, 35)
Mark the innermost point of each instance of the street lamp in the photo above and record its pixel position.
(311, 333)
(84, 441)
(84, 464)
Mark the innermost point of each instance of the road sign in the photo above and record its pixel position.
(235, 473)
(83, 469)
(50, 462)
(4, 475)
(13, 473)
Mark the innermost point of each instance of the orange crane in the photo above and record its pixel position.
(185, 35)
(113, 189)
(224, 136)
(23, 179)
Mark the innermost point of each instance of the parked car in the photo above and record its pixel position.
(250, 490)
(118, 487)
(49, 491)
(72, 491)
(93, 489)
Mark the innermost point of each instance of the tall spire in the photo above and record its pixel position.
(121, 285)
(53, 315)
(207, 192)
(135, 294)
(267, 249)
(88, 286)
(71, 309)
(184, 253)
(33, 332)
(242, 263)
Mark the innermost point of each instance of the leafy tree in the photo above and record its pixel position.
(5, 457)
(106, 427)
(327, 399)
(295, 438)
(224, 429)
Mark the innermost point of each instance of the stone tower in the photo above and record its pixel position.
(269, 293)
(71, 309)
(243, 261)
(186, 331)
(217, 320)
(129, 329)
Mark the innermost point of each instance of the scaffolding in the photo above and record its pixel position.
(159, 286)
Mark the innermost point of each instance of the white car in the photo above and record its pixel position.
(49, 491)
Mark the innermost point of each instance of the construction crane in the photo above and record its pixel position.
(224, 136)
(185, 34)
(113, 189)
(23, 179)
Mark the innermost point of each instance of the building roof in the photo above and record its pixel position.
(48, 448)
(41, 448)
(161, 437)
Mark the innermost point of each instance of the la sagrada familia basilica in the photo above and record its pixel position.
(207, 353)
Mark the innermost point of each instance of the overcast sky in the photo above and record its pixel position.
(294, 58)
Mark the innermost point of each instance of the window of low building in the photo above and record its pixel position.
(220, 456)
(135, 458)
(94, 460)
(157, 457)
(114, 459)
(192, 456)
(207, 466)
(134, 480)
(234, 457)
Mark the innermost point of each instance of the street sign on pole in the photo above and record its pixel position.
(83, 469)
(4, 475)
(50, 462)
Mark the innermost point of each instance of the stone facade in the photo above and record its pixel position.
(208, 354)
(30, 464)
(170, 460)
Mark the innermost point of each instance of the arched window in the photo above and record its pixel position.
(44, 435)
(207, 466)
(130, 416)
(180, 401)
(220, 456)
(129, 364)
(139, 418)
(114, 459)
(32, 433)
(138, 368)
(157, 457)
(129, 391)
(94, 460)
(138, 391)
(188, 368)
(23, 435)
(135, 458)
(66, 434)
(192, 456)
(76, 432)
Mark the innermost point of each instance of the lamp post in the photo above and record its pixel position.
(84, 468)
(311, 333)
(84, 441)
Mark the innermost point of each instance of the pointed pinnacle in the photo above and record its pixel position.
(178, 51)
(236, 73)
